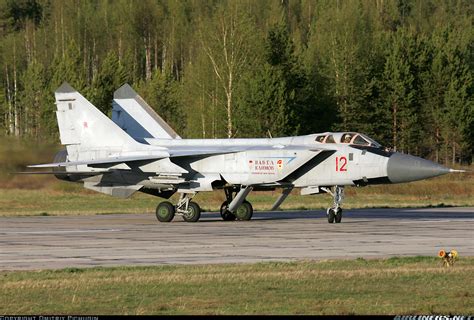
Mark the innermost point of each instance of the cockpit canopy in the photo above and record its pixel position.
(347, 138)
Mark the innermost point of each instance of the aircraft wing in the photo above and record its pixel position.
(209, 151)
(173, 152)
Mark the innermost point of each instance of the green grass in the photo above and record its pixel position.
(417, 285)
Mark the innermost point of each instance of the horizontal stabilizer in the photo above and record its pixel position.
(114, 160)
(65, 173)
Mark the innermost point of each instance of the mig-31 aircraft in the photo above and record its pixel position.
(138, 151)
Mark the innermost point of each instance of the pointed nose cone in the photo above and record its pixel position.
(404, 168)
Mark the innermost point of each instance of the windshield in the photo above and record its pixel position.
(373, 143)
(359, 140)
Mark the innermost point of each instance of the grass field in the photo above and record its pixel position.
(416, 285)
(40, 195)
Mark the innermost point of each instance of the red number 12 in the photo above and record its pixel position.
(341, 163)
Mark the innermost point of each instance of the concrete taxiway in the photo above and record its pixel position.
(28, 243)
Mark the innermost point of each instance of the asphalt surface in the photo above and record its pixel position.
(29, 243)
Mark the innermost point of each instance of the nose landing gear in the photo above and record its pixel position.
(335, 212)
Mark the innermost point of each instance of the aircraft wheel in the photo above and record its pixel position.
(193, 214)
(165, 212)
(244, 212)
(331, 215)
(226, 214)
(338, 216)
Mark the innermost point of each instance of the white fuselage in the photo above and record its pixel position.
(279, 161)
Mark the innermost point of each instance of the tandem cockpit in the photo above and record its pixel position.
(353, 138)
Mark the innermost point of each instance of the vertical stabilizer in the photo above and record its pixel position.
(131, 113)
(82, 124)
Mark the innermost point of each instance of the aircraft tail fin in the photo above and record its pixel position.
(83, 125)
(131, 113)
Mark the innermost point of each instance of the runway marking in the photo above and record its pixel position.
(60, 231)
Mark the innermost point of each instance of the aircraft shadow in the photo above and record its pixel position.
(406, 213)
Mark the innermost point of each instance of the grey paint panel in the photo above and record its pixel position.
(65, 88)
(125, 92)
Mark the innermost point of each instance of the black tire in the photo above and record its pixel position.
(244, 212)
(331, 215)
(165, 212)
(338, 217)
(226, 214)
(194, 212)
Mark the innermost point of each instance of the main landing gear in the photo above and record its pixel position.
(235, 206)
(189, 210)
(335, 212)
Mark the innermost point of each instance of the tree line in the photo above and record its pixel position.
(400, 71)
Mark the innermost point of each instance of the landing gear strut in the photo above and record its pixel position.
(242, 211)
(335, 212)
(226, 214)
(189, 210)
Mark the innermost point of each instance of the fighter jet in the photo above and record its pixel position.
(138, 151)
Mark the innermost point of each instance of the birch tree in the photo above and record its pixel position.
(224, 38)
